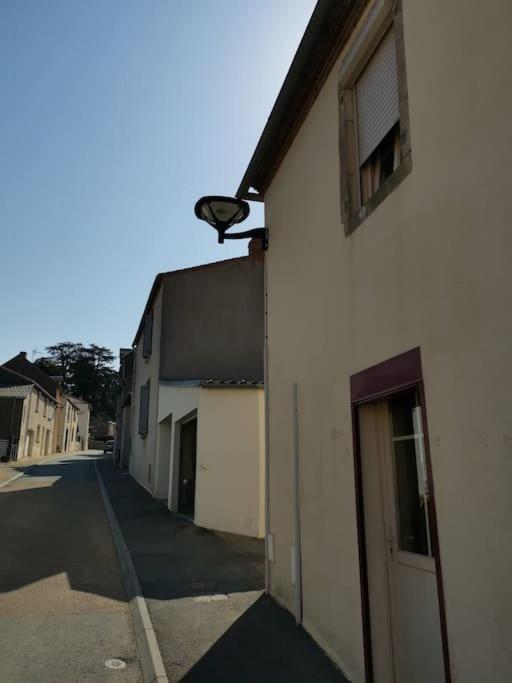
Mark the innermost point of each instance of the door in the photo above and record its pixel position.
(187, 473)
(401, 571)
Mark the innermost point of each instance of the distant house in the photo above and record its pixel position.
(69, 411)
(102, 430)
(83, 421)
(27, 417)
(197, 403)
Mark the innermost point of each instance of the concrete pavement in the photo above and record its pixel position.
(12, 468)
(204, 591)
(63, 610)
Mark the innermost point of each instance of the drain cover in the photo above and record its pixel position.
(115, 664)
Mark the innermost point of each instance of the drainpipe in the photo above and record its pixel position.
(296, 549)
(268, 538)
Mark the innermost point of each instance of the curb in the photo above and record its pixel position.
(150, 657)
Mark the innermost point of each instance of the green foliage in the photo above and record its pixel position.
(86, 372)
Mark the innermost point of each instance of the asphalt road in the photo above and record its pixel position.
(63, 610)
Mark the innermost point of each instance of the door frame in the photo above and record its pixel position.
(173, 500)
(378, 382)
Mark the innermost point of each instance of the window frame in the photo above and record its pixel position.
(384, 16)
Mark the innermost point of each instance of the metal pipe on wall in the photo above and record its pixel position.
(297, 572)
(267, 437)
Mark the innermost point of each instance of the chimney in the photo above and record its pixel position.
(23, 354)
(256, 250)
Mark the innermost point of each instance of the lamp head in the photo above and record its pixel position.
(221, 212)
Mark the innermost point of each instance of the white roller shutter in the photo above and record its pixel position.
(377, 98)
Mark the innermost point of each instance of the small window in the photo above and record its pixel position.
(37, 402)
(375, 154)
(378, 118)
(144, 409)
(148, 335)
(38, 433)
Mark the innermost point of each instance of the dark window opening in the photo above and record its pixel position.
(381, 163)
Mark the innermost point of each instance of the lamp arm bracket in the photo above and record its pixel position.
(258, 233)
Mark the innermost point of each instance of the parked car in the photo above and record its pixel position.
(109, 447)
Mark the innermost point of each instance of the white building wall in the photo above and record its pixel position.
(143, 453)
(230, 454)
(430, 268)
(230, 461)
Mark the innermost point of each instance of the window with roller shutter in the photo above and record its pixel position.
(374, 141)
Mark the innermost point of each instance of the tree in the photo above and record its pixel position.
(60, 360)
(86, 372)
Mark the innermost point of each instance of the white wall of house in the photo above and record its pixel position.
(429, 268)
(230, 454)
(70, 438)
(143, 454)
(230, 461)
(83, 420)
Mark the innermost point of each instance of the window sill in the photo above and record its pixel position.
(379, 196)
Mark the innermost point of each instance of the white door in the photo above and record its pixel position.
(402, 584)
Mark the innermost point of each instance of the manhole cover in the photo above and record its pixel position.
(115, 664)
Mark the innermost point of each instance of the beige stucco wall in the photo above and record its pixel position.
(230, 454)
(430, 268)
(143, 453)
(32, 419)
(230, 461)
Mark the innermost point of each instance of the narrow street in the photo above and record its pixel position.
(63, 610)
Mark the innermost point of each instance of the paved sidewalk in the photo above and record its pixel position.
(14, 467)
(204, 592)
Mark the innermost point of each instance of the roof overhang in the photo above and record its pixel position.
(329, 28)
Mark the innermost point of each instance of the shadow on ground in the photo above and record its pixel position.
(173, 557)
(204, 593)
(264, 644)
(52, 521)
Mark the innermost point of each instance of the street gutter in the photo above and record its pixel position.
(150, 657)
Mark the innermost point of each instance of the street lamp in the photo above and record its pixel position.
(224, 212)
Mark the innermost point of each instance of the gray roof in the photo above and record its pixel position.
(16, 391)
(230, 384)
(214, 383)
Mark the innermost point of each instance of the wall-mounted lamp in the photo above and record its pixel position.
(224, 212)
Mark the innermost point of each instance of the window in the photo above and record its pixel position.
(144, 409)
(374, 120)
(148, 335)
(38, 433)
(44, 406)
(37, 402)
(410, 471)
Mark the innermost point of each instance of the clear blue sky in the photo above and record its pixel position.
(116, 116)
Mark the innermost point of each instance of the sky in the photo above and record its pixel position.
(116, 116)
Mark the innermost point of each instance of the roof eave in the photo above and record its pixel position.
(327, 32)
